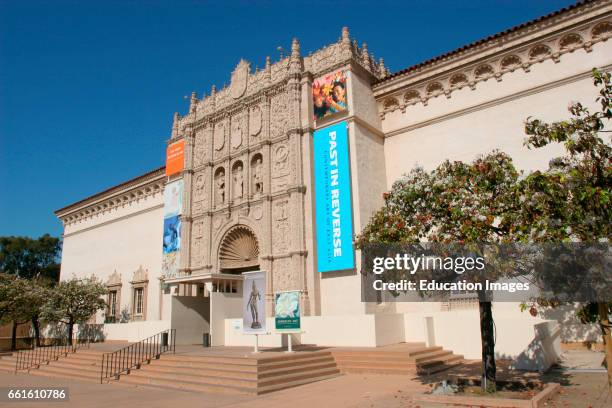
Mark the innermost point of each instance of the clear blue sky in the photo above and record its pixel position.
(88, 88)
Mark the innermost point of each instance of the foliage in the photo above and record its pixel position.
(30, 258)
(74, 301)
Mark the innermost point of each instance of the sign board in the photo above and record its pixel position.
(254, 303)
(287, 311)
(175, 157)
(329, 94)
(334, 210)
(173, 198)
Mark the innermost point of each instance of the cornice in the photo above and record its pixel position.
(420, 87)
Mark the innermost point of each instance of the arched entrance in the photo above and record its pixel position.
(239, 251)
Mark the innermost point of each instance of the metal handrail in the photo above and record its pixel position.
(36, 356)
(125, 359)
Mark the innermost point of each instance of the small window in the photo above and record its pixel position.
(112, 303)
(138, 301)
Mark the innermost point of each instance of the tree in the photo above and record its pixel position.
(21, 301)
(457, 203)
(74, 301)
(29, 258)
(571, 201)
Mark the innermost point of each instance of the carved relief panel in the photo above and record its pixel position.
(238, 131)
(200, 192)
(220, 135)
(281, 232)
(280, 114)
(283, 277)
(197, 251)
(201, 152)
(281, 157)
(255, 121)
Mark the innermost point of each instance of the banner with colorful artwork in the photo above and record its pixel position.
(334, 209)
(254, 303)
(173, 198)
(175, 158)
(287, 311)
(329, 94)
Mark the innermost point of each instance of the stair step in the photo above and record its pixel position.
(278, 387)
(185, 385)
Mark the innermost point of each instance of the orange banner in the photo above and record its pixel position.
(175, 158)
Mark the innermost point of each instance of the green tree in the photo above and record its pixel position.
(457, 203)
(21, 301)
(571, 201)
(73, 302)
(29, 258)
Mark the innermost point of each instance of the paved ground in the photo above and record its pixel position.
(354, 391)
(584, 385)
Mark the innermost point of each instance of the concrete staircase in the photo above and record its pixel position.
(226, 374)
(214, 373)
(411, 359)
(82, 365)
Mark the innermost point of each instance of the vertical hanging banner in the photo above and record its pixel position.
(254, 303)
(334, 212)
(287, 311)
(173, 204)
(175, 157)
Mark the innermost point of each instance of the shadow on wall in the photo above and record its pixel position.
(543, 351)
(93, 332)
(572, 330)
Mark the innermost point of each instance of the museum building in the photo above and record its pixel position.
(240, 190)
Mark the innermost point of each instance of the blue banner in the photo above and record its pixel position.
(334, 212)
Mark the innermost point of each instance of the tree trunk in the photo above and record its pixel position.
(14, 337)
(604, 323)
(487, 337)
(70, 328)
(36, 327)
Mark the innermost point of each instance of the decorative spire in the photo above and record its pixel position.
(383, 69)
(268, 70)
(193, 102)
(175, 125)
(213, 90)
(295, 48)
(346, 39)
(295, 61)
(365, 56)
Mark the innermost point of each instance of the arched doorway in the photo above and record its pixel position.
(239, 251)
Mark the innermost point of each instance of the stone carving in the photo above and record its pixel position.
(198, 228)
(236, 135)
(198, 251)
(220, 184)
(257, 171)
(257, 212)
(140, 275)
(281, 156)
(200, 149)
(217, 222)
(255, 121)
(280, 112)
(219, 136)
(238, 181)
(281, 236)
(198, 188)
(282, 278)
(239, 79)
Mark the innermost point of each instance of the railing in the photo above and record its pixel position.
(36, 356)
(125, 359)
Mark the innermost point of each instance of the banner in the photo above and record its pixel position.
(175, 157)
(173, 205)
(254, 303)
(334, 212)
(173, 198)
(287, 311)
(329, 94)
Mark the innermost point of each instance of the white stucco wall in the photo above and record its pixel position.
(121, 240)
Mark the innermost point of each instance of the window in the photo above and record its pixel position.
(112, 303)
(138, 301)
